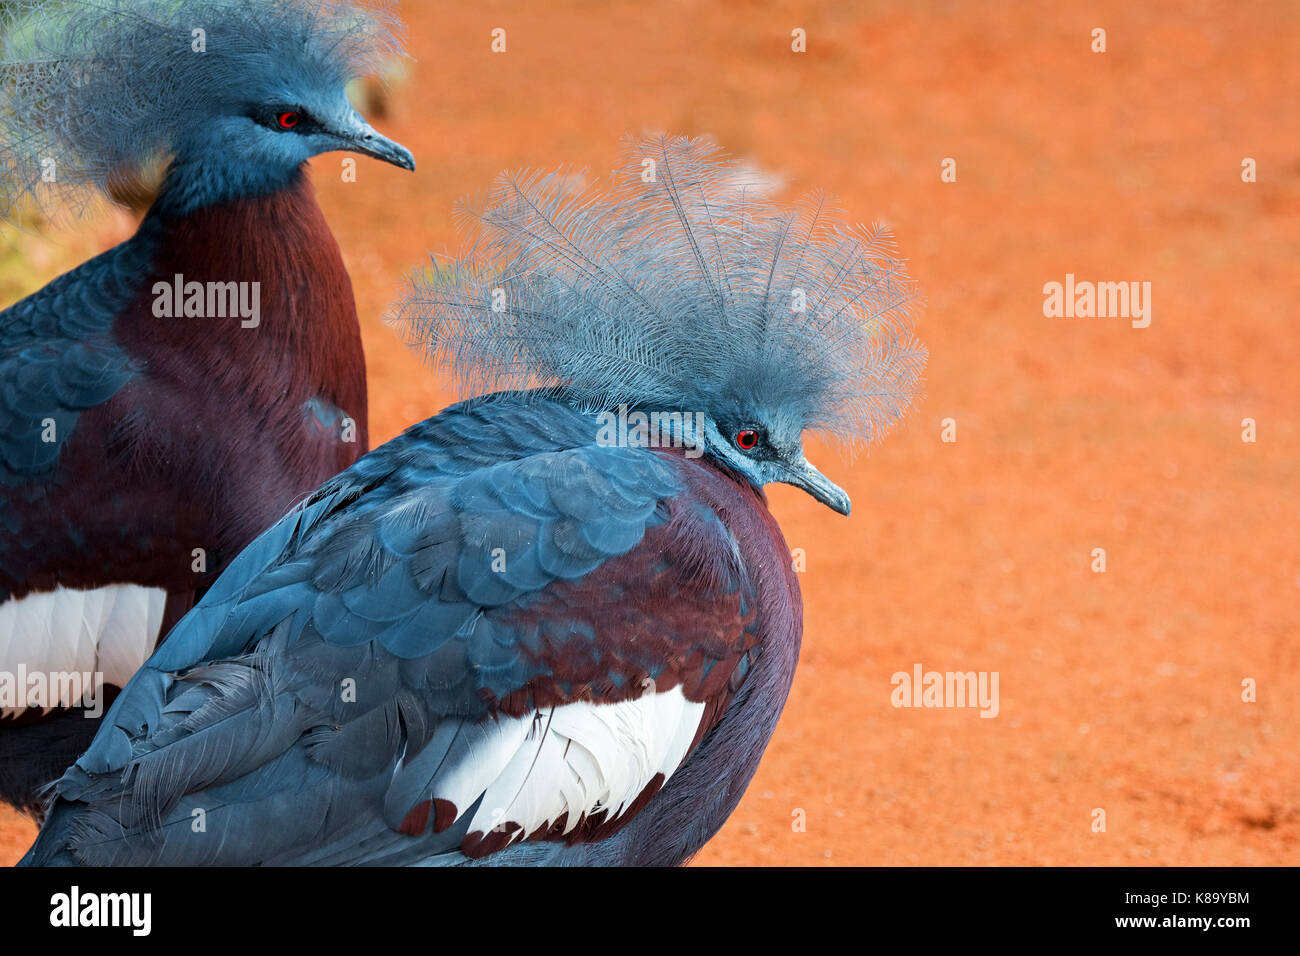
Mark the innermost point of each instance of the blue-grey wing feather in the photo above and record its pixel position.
(351, 639)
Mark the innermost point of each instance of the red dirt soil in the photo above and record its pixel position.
(1120, 691)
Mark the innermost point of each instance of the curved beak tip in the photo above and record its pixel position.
(401, 157)
(369, 142)
(839, 503)
(805, 476)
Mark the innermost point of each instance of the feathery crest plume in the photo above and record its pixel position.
(92, 91)
(678, 285)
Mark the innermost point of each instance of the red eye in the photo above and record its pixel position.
(747, 439)
(289, 119)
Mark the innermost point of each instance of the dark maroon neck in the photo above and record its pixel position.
(307, 341)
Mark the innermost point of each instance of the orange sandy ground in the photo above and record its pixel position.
(1119, 691)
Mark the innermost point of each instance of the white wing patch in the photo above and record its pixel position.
(54, 639)
(572, 761)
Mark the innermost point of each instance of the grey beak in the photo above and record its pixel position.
(365, 139)
(802, 474)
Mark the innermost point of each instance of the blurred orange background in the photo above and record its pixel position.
(1120, 691)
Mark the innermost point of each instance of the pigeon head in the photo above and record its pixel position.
(680, 287)
(234, 94)
(765, 445)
